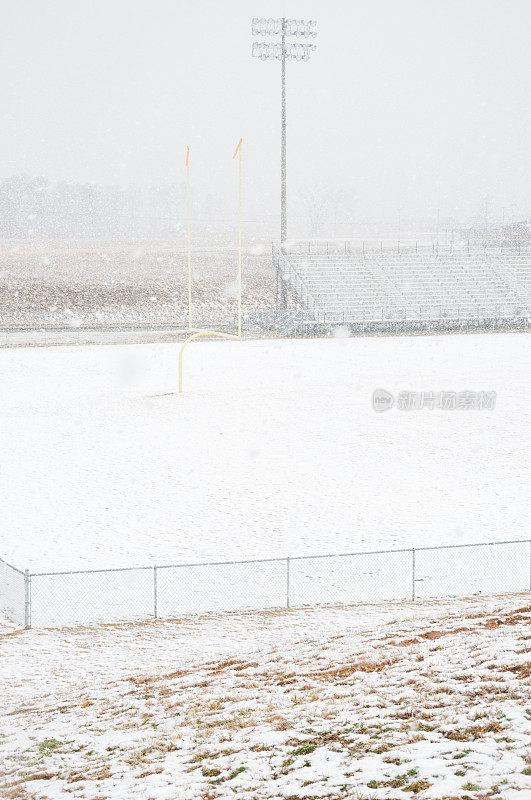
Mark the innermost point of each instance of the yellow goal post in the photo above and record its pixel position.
(196, 333)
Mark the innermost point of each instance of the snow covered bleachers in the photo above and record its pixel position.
(374, 287)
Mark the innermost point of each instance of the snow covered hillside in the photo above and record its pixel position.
(393, 701)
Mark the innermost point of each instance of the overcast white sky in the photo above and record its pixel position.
(412, 104)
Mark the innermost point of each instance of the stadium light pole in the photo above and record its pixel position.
(283, 27)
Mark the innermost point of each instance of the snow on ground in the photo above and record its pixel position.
(273, 449)
(395, 701)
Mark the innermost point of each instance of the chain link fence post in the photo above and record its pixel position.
(155, 592)
(413, 574)
(27, 600)
(287, 583)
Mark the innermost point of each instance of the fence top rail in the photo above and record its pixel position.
(409, 549)
(156, 566)
(225, 563)
(16, 569)
(473, 544)
(277, 559)
(88, 571)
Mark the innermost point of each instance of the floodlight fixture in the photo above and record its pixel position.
(275, 50)
(267, 26)
(283, 51)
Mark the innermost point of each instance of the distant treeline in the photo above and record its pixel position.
(35, 207)
(514, 234)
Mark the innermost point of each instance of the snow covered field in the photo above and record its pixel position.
(272, 450)
(392, 701)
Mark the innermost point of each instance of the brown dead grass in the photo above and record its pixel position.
(521, 671)
(474, 732)
(347, 671)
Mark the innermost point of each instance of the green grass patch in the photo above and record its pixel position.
(236, 772)
(47, 745)
(210, 773)
(303, 751)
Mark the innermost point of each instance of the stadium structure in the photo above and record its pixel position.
(321, 285)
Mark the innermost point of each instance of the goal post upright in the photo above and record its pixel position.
(197, 333)
(189, 237)
(238, 152)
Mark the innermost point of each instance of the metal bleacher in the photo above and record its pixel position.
(410, 289)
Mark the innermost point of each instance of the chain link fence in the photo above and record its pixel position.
(56, 599)
(14, 594)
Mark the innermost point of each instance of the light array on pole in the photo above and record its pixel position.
(293, 52)
(297, 51)
(283, 50)
(267, 26)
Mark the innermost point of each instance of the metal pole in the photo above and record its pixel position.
(155, 592)
(287, 584)
(27, 600)
(283, 210)
(240, 149)
(413, 575)
(188, 237)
